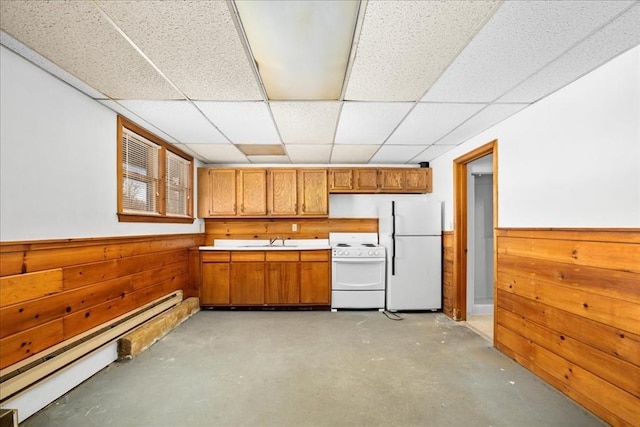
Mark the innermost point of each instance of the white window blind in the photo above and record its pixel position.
(177, 198)
(140, 173)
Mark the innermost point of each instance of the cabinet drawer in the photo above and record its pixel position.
(283, 256)
(247, 256)
(214, 256)
(314, 255)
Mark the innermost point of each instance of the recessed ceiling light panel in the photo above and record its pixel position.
(301, 48)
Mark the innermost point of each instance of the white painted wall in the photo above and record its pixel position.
(570, 160)
(365, 205)
(58, 160)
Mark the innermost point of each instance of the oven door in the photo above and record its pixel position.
(358, 274)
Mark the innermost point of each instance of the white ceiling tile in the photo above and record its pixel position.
(218, 153)
(307, 153)
(427, 123)
(76, 37)
(521, 38)
(42, 62)
(432, 152)
(179, 119)
(369, 122)
(619, 36)
(120, 109)
(242, 122)
(194, 43)
(269, 159)
(396, 154)
(404, 46)
(480, 122)
(303, 122)
(359, 153)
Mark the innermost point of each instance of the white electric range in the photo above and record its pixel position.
(358, 272)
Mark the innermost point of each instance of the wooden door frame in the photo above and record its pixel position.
(460, 210)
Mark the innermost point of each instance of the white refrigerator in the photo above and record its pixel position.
(411, 232)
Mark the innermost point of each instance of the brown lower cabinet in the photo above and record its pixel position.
(265, 278)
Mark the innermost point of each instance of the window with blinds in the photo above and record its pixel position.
(140, 191)
(154, 178)
(177, 171)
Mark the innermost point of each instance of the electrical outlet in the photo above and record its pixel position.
(294, 227)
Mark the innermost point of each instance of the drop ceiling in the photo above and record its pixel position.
(422, 76)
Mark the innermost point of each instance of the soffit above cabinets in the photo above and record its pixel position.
(422, 76)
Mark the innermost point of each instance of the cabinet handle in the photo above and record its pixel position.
(242, 207)
(303, 208)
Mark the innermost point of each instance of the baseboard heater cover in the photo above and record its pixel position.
(22, 375)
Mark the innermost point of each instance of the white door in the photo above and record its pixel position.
(414, 278)
(418, 218)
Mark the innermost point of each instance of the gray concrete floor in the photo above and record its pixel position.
(292, 368)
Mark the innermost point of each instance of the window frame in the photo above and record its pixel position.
(160, 215)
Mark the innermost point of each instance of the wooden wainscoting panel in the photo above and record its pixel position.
(23, 287)
(27, 257)
(28, 342)
(607, 255)
(308, 228)
(447, 273)
(524, 352)
(610, 283)
(568, 304)
(84, 320)
(99, 271)
(606, 338)
(601, 364)
(18, 317)
(54, 289)
(610, 311)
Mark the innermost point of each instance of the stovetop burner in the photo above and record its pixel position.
(369, 245)
(343, 245)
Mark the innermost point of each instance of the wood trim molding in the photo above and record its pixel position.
(460, 209)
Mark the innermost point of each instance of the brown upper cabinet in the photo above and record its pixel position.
(283, 192)
(313, 191)
(254, 192)
(380, 180)
(216, 192)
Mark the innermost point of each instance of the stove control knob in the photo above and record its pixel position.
(371, 253)
(358, 252)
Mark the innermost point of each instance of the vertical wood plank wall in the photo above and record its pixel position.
(568, 309)
(447, 273)
(51, 291)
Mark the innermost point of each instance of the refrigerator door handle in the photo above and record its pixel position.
(393, 238)
(393, 256)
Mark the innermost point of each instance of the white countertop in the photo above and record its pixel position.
(263, 245)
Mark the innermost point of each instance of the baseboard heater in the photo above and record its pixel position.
(28, 372)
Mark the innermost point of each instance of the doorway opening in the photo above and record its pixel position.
(475, 221)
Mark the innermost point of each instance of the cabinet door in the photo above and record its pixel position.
(418, 180)
(283, 285)
(391, 180)
(214, 287)
(252, 192)
(216, 192)
(314, 194)
(247, 283)
(366, 179)
(283, 192)
(341, 179)
(315, 282)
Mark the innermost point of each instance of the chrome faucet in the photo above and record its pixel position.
(275, 239)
